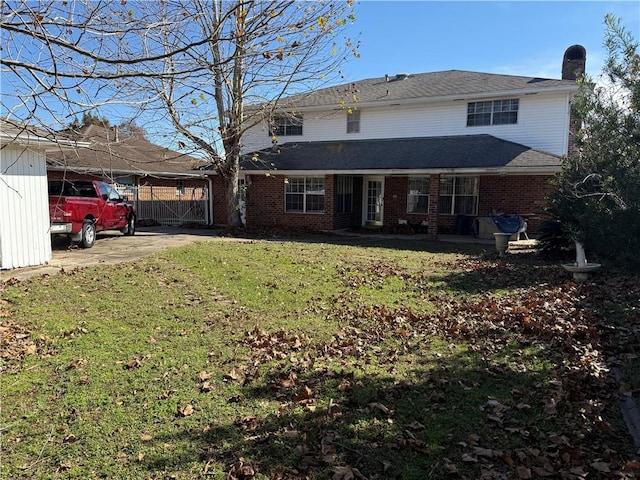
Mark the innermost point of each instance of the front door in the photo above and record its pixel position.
(373, 201)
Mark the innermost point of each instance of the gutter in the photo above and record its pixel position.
(544, 170)
(169, 175)
(35, 141)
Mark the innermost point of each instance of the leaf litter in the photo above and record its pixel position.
(568, 323)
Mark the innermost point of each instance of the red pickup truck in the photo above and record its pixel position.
(79, 209)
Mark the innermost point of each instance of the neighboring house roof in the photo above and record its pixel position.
(112, 153)
(471, 153)
(414, 88)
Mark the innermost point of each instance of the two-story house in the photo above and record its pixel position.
(420, 149)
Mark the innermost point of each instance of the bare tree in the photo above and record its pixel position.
(192, 64)
(255, 53)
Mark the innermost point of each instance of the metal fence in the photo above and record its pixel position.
(169, 205)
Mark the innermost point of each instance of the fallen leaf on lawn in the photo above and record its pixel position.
(523, 472)
(305, 393)
(145, 437)
(415, 425)
(240, 470)
(202, 376)
(381, 407)
(234, 374)
(451, 468)
(469, 458)
(135, 362)
(347, 473)
(30, 349)
(634, 465)
(601, 467)
(185, 410)
(484, 452)
(206, 387)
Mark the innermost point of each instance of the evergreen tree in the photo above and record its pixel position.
(598, 197)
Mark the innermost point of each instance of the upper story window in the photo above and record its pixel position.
(284, 125)
(353, 121)
(304, 195)
(495, 112)
(418, 196)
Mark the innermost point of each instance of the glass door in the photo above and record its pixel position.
(374, 201)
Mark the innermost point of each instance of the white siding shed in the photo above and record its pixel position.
(24, 206)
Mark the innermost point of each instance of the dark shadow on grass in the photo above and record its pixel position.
(519, 271)
(451, 409)
(416, 243)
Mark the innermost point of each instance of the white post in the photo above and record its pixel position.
(581, 259)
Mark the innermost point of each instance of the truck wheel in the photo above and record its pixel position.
(88, 235)
(130, 229)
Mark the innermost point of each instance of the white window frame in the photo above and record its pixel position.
(458, 183)
(353, 121)
(493, 112)
(421, 189)
(286, 125)
(307, 188)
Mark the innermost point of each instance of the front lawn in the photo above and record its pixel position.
(318, 358)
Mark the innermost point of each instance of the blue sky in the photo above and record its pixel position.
(517, 38)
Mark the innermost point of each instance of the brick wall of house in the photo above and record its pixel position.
(71, 176)
(219, 201)
(522, 195)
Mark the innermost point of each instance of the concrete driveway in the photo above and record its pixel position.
(112, 247)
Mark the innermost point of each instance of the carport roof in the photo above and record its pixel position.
(467, 152)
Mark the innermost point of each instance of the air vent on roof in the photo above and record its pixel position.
(399, 76)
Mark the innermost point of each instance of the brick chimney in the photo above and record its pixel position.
(573, 67)
(573, 62)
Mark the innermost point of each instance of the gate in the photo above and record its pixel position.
(169, 205)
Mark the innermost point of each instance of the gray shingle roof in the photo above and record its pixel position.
(124, 155)
(450, 83)
(428, 153)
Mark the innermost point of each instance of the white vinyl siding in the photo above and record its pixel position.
(24, 208)
(542, 124)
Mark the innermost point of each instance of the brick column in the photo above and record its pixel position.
(434, 194)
